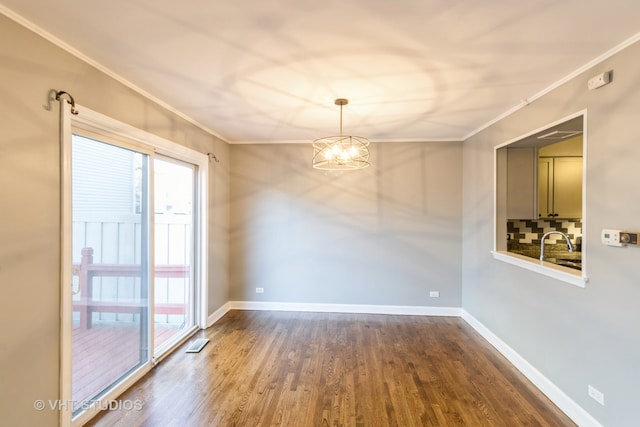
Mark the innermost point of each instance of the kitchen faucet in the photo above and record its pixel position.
(553, 232)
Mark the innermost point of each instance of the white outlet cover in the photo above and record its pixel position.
(596, 394)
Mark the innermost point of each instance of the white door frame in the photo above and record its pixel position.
(139, 140)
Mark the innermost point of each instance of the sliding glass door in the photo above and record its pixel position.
(135, 222)
(174, 219)
(111, 264)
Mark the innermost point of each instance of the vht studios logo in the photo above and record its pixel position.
(59, 405)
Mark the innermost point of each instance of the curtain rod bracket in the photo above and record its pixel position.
(213, 157)
(71, 101)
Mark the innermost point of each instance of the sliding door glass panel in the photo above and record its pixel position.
(110, 214)
(174, 194)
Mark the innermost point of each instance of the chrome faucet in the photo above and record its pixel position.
(554, 232)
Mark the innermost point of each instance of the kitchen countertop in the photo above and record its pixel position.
(555, 253)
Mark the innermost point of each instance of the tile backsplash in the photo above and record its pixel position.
(531, 231)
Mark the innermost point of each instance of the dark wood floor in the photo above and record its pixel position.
(320, 369)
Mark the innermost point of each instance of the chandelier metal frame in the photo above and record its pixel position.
(341, 152)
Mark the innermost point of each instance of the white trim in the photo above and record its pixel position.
(525, 102)
(585, 231)
(150, 144)
(81, 56)
(217, 315)
(166, 352)
(547, 126)
(68, 48)
(346, 308)
(549, 269)
(202, 245)
(564, 274)
(147, 140)
(333, 308)
(66, 262)
(308, 141)
(98, 405)
(151, 236)
(553, 392)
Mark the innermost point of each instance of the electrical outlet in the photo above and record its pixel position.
(259, 290)
(596, 394)
(434, 294)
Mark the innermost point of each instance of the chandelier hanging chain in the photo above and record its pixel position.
(341, 102)
(341, 120)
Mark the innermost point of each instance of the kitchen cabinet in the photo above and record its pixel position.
(560, 187)
(544, 181)
(521, 184)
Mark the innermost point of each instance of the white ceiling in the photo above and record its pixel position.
(269, 71)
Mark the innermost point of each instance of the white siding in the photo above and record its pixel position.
(103, 177)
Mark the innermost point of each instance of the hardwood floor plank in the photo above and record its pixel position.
(327, 369)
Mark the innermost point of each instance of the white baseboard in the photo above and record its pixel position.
(346, 308)
(217, 315)
(557, 396)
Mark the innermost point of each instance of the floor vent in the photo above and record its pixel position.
(197, 345)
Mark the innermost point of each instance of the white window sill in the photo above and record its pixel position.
(559, 272)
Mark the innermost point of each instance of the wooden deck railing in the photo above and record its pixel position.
(87, 271)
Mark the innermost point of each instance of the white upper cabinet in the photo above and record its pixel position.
(545, 181)
(560, 187)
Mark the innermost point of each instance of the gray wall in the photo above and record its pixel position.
(29, 206)
(385, 235)
(574, 336)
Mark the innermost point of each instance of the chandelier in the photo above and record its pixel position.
(341, 152)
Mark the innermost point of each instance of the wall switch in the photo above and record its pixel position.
(596, 394)
(434, 294)
(611, 237)
(259, 290)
